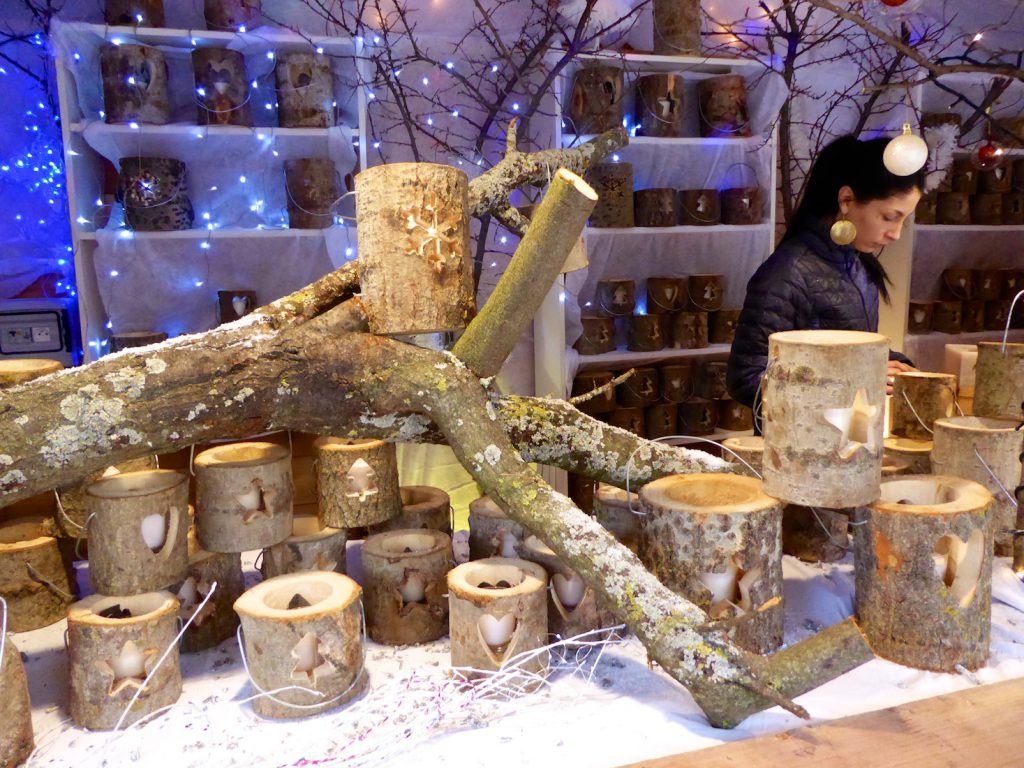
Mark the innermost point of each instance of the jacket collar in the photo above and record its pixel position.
(816, 235)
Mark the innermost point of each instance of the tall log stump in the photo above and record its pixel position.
(677, 27)
(243, 496)
(918, 399)
(999, 381)
(413, 229)
(492, 533)
(311, 547)
(357, 481)
(217, 620)
(497, 610)
(114, 644)
(305, 91)
(222, 87)
(717, 541)
(25, 369)
(749, 448)
(924, 572)
(613, 183)
(33, 577)
(303, 629)
(824, 394)
(964, 445)
(134, 84)
(614, 509)
(597, 100)
(406, 594)
(312, 187)
(16, 739)
(658, 107)
(917, 454)
(139, 535)
(423, 507)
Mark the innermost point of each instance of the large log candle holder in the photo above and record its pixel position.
(357, 481)
(134, 84)
(305, 91)
(222, 87)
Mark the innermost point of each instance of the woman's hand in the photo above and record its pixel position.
(895, 366)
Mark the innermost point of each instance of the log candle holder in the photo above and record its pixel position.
(722, 104)
(658, 106)
(995, 314)
(963, 177)
(305, 91)
(311, 547)
(716, 540)
(630, 419)
(424, 508)
(243, 496)
(233, 305)
(588, 381)
(639, 390)
(705, 292)
(987, 209)
(698, 417)
(655, 207)
(132, 13)
(1013, 208)
(154, 192)
(924, 213)
(357, 481)
(722, 325)
(709, 382)
(660, 420)
(134, 84)
(406, 592)
(645, 333)
(222, 87)
(988, 284)
(996, 180)
(675, 381)
(616, 297)
(492, 533)
(33, 578)
(311, 186)
(953, 208)
(303, 629)
(916, 453)
(947, 316)
(741, 205)
(665, 294)
(699, 207)
(923, 570)
(231, 15)
(217, 620)
(999, 380)
(16, 738)
(973, 317)
(114, 644)
(688, 330)
(677, 27)
(613, 183)
(918, 399)
(750, 448)
(596, 102)
(598, 335)
(612, 510)
(734, 416)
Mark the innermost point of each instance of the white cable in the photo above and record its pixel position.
(992, 474)
(1009, 317)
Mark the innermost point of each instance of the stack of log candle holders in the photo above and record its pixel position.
(968, 195)
(970, 300)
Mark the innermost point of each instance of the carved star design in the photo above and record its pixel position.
(129, 655)
(430, 235)
(256, 502)
(857, 426)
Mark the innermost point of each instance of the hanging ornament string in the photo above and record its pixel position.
(999, 483)
(3, 631)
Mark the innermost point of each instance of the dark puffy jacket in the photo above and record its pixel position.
(808, 283)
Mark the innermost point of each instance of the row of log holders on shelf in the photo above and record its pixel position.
(652, 332)
(957, 316)
(619, 205)
(969, 195)
(224, 15)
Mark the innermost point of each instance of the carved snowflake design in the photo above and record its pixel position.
(431, 234)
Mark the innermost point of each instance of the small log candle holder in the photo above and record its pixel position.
(709, 382)
(588, 381)
(923, 566)
(233, 305)
(616, 297)
(654, 207)
(639, 390)
(947, 316)
(925, 211)
(1012, 281)
(973, 319)
(688, 330)
(311, 547)
(953, 208)
(996, 180)
(303, 629)
(987, 208)
(1013, 208)
(130, 339)
(722, 102)
(999, 380)
(613, 183)
(131, 13)
(963, 178)
(311, 185)
(918, 399)
(413, 229)
(716, 540)
(154, 192)
(357, 481)
(305, 91)
(665, 294)
(750, 448)
(699, 207)
(134, 84)
(598, 335)
(645, 333)
(113, 645)
(217, 620)
(222, 87)
(814, 535)
(734, 416)
(722, 325)
(612, 510)
(405, 587)
(231, 15)
(492, 533)
(698, 417)
(72, 515)
(16, 737)
(497, 610)
(660, 420)
(596, 102)
(243, 496)
(423, 508)
(24, 369)
(705, 292)
(915, 453)
(988, 284)
(658, 107)
(675, 382)
(677, 27)
(996, 313)
(824, 395)
(138, 535)
(958, 442)
(33, 578)
(630, 419)
(741, 205)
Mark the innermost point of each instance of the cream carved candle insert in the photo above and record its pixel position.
(138, 531)
(311, 547)
(492, 533)
(357, 481)
(824, 402)
(404, 579)
(243, 496)
(33, 577)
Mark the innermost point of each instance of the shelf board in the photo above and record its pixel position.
(625, 359)
(682, 229)
(235, 132)
(570, 140)
(966, 338)
(716, 436)
(226, 233)
(263, 38)
(652, 62)
(947, 228)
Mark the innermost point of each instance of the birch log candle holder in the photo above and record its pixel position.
(918, 399)
(688, 330)
(613, 183)
(699, 207)
(423, 507)
(814, 535)
(705, 292)
(497, 610)
(598, 335)
(243, 496)
(587, 382)
(999, 380)
(131, 13)
(305, 91)
(34, 580)
(614, 509)
(971, 447)
(25, 369)
(311, 184)
(222, 87)
(231, 15)
(216, 621)
(413, 229)
(492, 533)
(597, 100)
(630, 419)
(665, 294)
(658, 106)
(655, 207)
(16, 738)
(639, 390)
(722, 105)
(134, 84)
(698, 416)
(675, 382)
(923, 569)
(660, 420)
(303, 630)
(716, 539)
(357, 481)
(406, 595)
(311, 547)
(916, 453)
(616, 297)
(722, 325)
(645, 333)
(677, 27)
(824, 402)
(114, 644)
(710, 380)
(749, 448)
(154, 192)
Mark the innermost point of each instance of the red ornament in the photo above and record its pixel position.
(986, 152)
(988, 156)
(893, 3)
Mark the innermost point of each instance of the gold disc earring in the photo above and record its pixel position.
(843, 232)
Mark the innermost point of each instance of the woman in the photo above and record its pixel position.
(825, 273)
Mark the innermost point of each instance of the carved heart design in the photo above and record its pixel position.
(240, 304)
(497, 633)
(569, 590)
(958, 564)
(154, 531)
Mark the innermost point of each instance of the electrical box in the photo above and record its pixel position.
(39, 328)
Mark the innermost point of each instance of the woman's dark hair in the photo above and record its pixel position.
(850, 162)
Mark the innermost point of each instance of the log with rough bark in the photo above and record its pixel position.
(16, 738)
(34, 579)
(918, 399)
(999, 380)
(306, 363)
(357, 481)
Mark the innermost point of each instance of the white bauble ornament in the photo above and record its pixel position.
(906, 154)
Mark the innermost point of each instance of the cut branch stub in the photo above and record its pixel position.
(415, 263)
(357, 481)
(924, 572)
